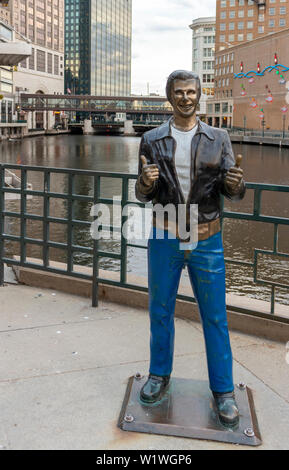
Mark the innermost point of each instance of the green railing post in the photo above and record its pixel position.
(2, 172)
(23, 206)
(124, 200)
(46, 207)
(95, 262)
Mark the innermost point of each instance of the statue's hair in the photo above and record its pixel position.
(182, 75)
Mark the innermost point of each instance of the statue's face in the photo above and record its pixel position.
(185, 97)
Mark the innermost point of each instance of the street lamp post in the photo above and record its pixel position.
(284, 120)
(245, 120)
(263, 126)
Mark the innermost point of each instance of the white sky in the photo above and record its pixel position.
(162, 40)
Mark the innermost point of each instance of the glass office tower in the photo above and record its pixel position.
(98, 47)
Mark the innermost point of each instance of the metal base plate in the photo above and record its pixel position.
(188, 410)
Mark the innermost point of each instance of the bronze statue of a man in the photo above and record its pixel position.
(186, 162)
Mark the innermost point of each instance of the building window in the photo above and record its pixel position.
(217, 108)
(250, 25)
(282, 22)
(250, 13)
(249, 36)
(232, 14)
(210, 108)
(222, 26)
(223, 3)
(260, 29)
(31, 60)
(49, 63)
(222, 38)
(40, 57)
(271, 11)
(241, 3)
(231, 26)
(240, 37)
(56, 65)
(271, 23)
(261, 18)
(241, 25)
(241, 14)
(231, 37)
(232, 3)
(223, 15)
(282, 10)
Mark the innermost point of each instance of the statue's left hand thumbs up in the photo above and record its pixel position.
(234, 176)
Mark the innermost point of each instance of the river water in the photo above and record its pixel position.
(261, 164)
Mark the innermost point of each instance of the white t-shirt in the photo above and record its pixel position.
(183, 157)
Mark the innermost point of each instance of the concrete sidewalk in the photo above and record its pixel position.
(64, 369)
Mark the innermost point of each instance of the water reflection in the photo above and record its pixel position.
(118, 154)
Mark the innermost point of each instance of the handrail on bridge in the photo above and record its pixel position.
(69, 197)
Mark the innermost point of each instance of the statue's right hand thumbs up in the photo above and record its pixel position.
(150, 173)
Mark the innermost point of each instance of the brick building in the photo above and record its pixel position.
(266, 95)
(240, 22)
(243, 20)
(243, 101)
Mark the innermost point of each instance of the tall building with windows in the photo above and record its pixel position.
(98, 47)
(203, 56)
(238, 21)
(41, 22)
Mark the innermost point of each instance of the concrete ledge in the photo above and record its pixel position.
(248, 324)
(259, 140)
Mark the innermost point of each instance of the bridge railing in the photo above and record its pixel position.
(72, 221)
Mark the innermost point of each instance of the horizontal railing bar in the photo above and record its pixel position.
(41, 218)
(271, 283)
(272, 253)
(104, 174)
(256, 218)
(49, 243)
(105, 254)
(268, 187)
(77, 274)
(242, 263)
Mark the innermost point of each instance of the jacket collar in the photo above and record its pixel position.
(165, 130)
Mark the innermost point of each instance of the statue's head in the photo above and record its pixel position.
(184, 92)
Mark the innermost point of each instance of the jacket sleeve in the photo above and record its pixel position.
(142, 192)
(228, 161)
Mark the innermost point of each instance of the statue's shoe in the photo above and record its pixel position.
(227, 408)
(154, 388)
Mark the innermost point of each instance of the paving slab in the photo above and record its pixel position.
(65, 367)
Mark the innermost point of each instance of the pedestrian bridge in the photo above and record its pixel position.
(140, 105)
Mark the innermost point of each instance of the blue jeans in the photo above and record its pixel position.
(206, 269)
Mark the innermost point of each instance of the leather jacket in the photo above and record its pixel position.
(211, 157)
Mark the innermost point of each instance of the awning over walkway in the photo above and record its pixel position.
(11, 53)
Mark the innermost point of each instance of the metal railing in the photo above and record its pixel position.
(70, 222)
(277, 134)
